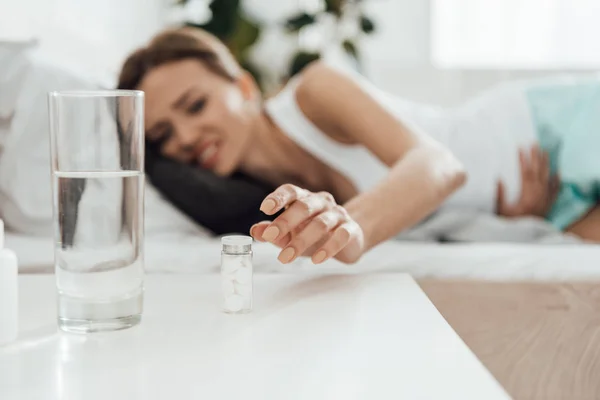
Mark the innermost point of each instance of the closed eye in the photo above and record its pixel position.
(196, 106)
(157, 141)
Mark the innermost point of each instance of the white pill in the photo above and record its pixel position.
(234, 303)
(243, 275)
(231, 264)
(246, 262)
(244, 290)
(227, 286)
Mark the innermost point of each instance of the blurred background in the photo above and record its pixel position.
(438, 51)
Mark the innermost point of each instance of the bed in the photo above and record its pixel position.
(175, 244)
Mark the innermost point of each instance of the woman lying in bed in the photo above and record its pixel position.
(353, 166)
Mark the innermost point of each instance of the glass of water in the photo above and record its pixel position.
(97, 149)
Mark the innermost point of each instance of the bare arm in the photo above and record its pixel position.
(415, 187)
(422, 173)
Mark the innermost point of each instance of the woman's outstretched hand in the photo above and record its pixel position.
(312, 225)
(539, 188)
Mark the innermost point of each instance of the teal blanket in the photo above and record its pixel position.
(567, 118)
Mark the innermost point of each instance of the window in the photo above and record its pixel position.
(516, 34)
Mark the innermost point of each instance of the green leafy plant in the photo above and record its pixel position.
(239, 33)
(336, 8)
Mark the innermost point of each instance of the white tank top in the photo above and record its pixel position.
(484, 134)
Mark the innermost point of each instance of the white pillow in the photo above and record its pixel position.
(13, 61)
(25, 191)
(25, 179)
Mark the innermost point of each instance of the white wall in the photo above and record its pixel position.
(94, 35)
(398, 57)
(99, 33)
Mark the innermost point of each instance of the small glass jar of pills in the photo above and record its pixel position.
(236, 273)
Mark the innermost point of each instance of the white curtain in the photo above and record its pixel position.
(516, 34)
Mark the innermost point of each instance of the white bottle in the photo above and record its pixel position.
(8, 292)
(236, 274)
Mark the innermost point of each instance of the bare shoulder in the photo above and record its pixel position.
(318, 95)
(317, 75)
(343, 108)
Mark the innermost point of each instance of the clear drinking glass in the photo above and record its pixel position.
(97, 149)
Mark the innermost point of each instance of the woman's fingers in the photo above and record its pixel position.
(282, 197)
(312, 224)
(525, 165)
(535, 161)
(539, 188)
(501, 199)
(257, 231)
(300, 211)
(342, 235)
(316, 230)
(545, 168)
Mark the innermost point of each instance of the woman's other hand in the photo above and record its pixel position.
(312, 225)
(539, 188)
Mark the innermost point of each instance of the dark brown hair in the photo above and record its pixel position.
(175, 45)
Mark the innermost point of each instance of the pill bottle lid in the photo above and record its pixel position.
(236, 244)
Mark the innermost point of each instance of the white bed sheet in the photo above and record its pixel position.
(493, 261)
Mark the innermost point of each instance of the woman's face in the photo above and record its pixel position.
(196, 116)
